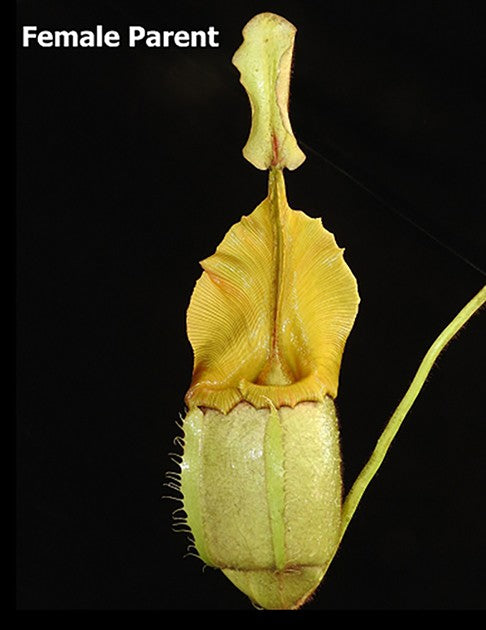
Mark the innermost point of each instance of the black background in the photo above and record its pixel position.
(129, 173)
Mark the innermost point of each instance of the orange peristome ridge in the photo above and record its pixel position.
(270, 315)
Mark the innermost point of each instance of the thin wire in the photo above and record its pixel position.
(392, 208)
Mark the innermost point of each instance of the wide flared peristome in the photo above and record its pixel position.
(270, 315)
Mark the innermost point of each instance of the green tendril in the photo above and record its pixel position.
(370, 469)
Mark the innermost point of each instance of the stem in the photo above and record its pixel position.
(366, 475)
